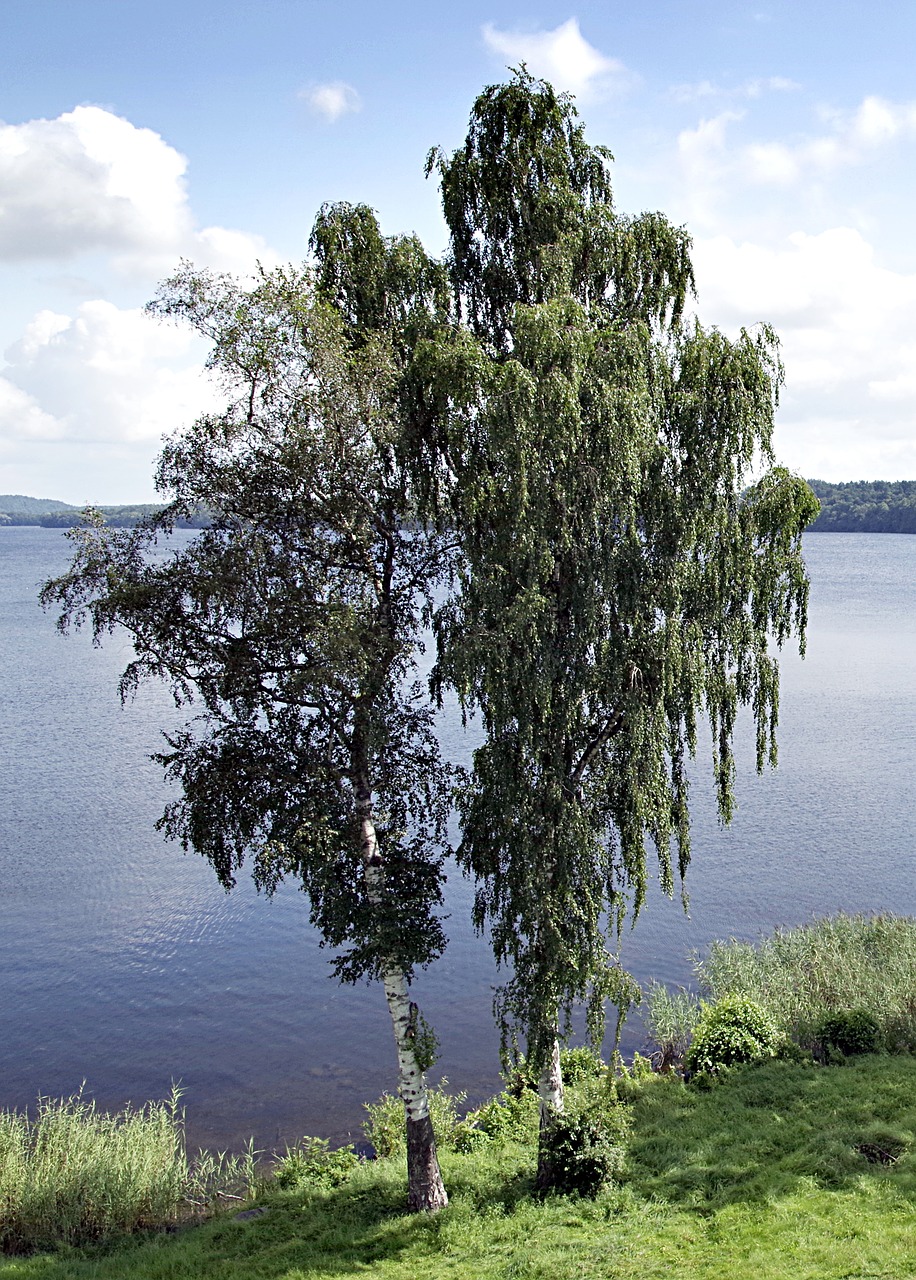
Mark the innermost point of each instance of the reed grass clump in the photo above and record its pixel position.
(832, 965)
(70, 1173)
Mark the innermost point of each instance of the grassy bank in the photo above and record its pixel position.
(776, 1172)
(799, 1165)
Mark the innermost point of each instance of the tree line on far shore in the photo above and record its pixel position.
(855, 506)
(865, 506)
(48, 513)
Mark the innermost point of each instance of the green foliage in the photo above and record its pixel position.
(849, 1031)
(584, 1149)
(670, 1018)
(733, 1030)
(580, 1063)
(425, 1040)
(311, 1163)
(507, 1117)
(832, 964)
(865, 506)
(783, 1170)
(384, 1125)
(622, 579)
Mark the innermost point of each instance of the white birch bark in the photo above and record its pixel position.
(425, 1188)
(550, 1085)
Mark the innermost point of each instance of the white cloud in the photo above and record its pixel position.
(846, 324)
(755, 88)
(104, 374)
(332, 100)
(22, 418)
(855, 137)
(562, 56)
(88, 180)
(92, 181)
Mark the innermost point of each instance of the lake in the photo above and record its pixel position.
(125, 965)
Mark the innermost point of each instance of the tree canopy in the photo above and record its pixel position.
(621, 579)
(291, 627)
(536, 423)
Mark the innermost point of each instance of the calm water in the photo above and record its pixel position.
(123, 962)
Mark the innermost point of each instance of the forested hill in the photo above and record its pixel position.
(866, 506)
(16, 508)
(859, 506)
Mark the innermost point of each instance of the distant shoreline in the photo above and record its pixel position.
(855, 506)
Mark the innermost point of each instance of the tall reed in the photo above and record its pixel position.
(71, 1174)
(835, 963)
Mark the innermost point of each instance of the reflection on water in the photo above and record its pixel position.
(124, 963)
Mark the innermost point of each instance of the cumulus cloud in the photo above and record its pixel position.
(332, 100)
(854, 138)
(22, 417)
(90, 180)
(562, 56)
(104, 374)
(846, 325)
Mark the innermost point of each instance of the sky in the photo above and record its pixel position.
(781, 135)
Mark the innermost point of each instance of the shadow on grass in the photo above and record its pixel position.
(354, 1228)
(767, 1128)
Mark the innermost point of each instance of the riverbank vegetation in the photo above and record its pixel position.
(784, 1169)
(800, 1163)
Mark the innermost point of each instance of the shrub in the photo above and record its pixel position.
(581, 1063)
(731, 1031)
(584, 1150)
(311, 1163)
(385, 1127)
(850, 1031)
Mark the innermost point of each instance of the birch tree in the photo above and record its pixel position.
(290, 627)
(621, 579)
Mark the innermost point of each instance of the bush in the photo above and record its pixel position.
(850, 1031)
(311, 1163)
(385, 1127)
(731, 1031)
(581, 1063)
(584, 1150)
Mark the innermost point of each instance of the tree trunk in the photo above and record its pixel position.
(550, 1092)
(425, 1189)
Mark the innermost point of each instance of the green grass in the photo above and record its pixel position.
(758, 1176)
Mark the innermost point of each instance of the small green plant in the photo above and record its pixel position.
(384, 1126)
(580, 1063)
(520, 1077)
(425, 1040)
(585, 1150)
(216, 1176)
(733, 1030)
(849, 1032)
(311, 1163)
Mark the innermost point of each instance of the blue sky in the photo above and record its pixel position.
(782, 136)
